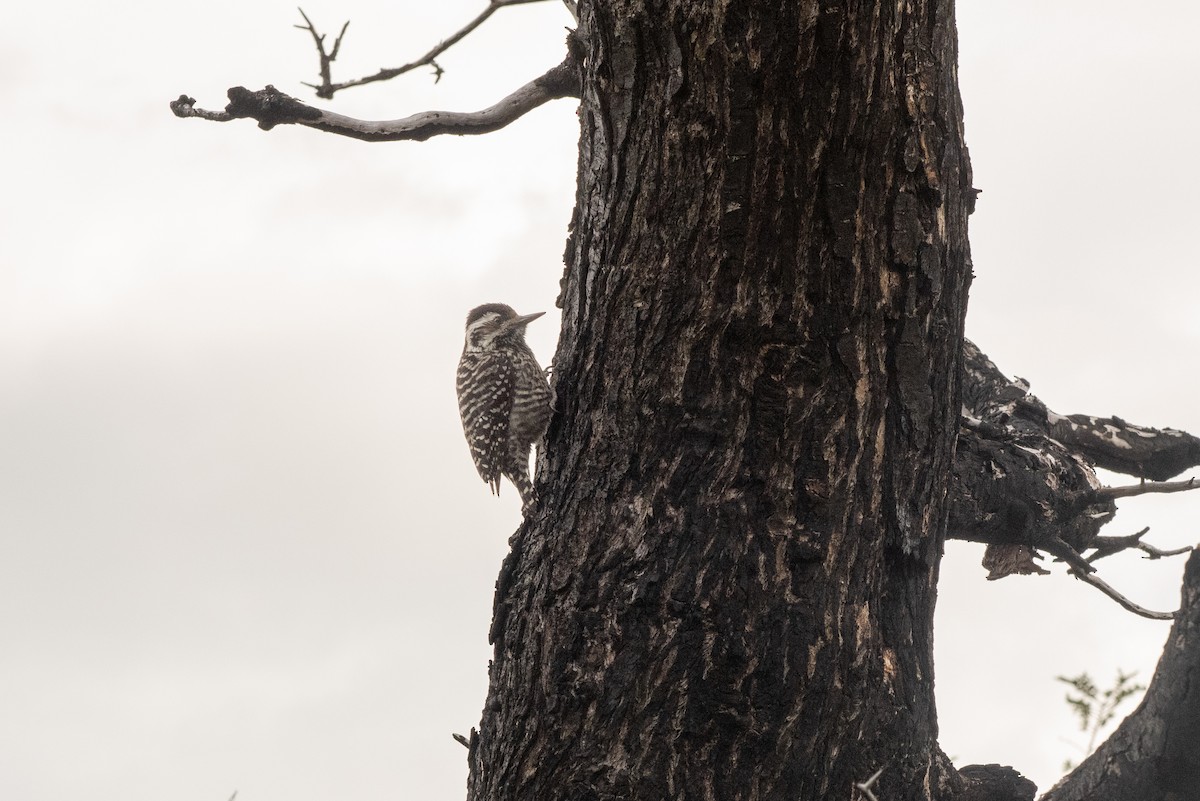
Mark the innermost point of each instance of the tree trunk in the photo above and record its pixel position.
(727, 588)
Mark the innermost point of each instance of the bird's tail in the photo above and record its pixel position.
(520, 480)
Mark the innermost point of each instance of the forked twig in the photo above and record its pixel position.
(327, 58)
(327, 88)
(1107, 546)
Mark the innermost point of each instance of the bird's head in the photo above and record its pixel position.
(495, 324)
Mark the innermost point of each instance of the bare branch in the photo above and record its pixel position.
(1065, 552)
(461, 740)
(1107, 546)
(1107, 589)
(326, 58)
(327, 88)
(186, 107)
(1023, 478)
(270, 107)
(1145, 487)
(1159, 553)
(1115, 444)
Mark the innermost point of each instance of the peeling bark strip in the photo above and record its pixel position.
(727, 591)
(1155, 754)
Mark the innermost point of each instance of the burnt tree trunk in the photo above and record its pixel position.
(727, 590)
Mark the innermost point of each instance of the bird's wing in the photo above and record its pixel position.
(485, 398)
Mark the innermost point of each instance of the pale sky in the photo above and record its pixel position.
(242, 543)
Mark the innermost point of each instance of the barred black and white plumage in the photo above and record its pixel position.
(503, 396)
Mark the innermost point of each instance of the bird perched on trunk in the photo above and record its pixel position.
(503, 396)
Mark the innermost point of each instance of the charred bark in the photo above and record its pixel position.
(1154, 755)
(995, 783)
(728, 588)
(1024, 477)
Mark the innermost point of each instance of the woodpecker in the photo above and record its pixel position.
(503, 396)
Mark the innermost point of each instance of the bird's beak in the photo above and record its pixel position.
(524, 320)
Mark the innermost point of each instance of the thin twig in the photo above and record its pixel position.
(186, 107)
(319, 41)
(1107, 589)
(461, 740)
(1147, 487)
(327, 88)
(866, 786)
(1159, 553)
(1107, 546)
(270, 107)
(1062, 550)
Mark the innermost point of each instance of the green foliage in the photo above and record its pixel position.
(1096, 708)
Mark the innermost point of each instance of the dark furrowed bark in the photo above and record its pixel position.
(727, 591)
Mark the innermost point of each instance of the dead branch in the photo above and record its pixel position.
(1024, 477)
(185, 107)
(1006, 559)
(1120, 446)
(1145, 487)
(327, 88)
(271, 107)
(1107, 546)
(1159, 553)
(1107, 589)
(1063, 551)
(326, 58)
(991, 397)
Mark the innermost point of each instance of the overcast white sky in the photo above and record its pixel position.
(242, 544)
